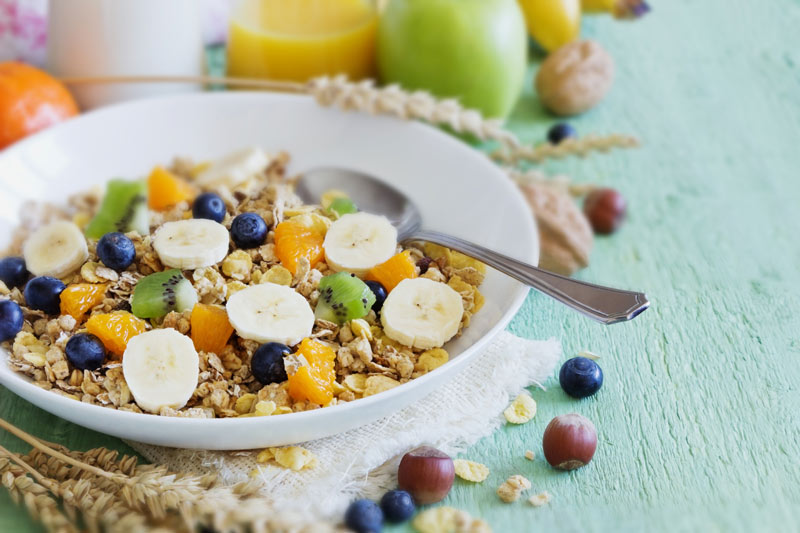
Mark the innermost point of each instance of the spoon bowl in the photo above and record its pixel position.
(604, 304)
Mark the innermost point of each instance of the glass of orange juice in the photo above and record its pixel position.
(300, 39)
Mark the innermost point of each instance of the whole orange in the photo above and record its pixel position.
(30, 100)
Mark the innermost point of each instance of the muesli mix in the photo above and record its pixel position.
(210, 290)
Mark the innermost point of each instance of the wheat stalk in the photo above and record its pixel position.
(107, 493)
(365, 96)
(580, 147)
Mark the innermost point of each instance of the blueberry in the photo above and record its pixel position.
(248, 230)
(380, 294)
(10, 320)
(116, 251)
(364, 516)
(44, 293)
(13, 272)
(209, 205)
(580, 377)
(397, 506)
(561, 131)
(267, 363)
(85, 351)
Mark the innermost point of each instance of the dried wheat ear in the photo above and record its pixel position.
(96, 490)
(421, 105)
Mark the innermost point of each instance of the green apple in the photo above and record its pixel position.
(474, 50)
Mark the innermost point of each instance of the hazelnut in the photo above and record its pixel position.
(574, 78)
(569, 441)
(605, 209)
(427, 474)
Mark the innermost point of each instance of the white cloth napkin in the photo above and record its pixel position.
(363, 461)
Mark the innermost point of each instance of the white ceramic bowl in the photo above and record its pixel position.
(457, 189)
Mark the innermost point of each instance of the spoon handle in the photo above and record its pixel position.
(603, 304)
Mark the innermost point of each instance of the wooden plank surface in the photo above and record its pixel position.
(699, 418)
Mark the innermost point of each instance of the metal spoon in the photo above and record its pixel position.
(603, 304)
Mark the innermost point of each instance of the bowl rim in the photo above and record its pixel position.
(18, 381)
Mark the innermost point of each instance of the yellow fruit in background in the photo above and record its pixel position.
(552, 23)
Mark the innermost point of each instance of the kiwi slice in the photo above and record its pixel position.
(343, 297)
(158, 294)
(124, 209)
(343, 206)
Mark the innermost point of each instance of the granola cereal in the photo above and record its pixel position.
(512, 488)
(448, 520)
(538, 500)
(353, 356)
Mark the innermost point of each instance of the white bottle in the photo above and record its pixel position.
(124, 38)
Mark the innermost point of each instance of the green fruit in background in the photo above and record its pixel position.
(473, 50)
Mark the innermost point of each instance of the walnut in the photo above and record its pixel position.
(574, 78)
(565, 235)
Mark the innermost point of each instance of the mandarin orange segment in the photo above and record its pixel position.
(165, 189)
(394, 270)
(314, 382)
(115, 329)
(294, 241)
(77, 300)
(210, 328)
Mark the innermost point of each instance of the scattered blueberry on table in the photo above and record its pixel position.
(397, 506)
(209, 205)
(248, 230)
(85, 351)
(116, 251)
(380, 294)
(560, 131)
(44, 294)
(364, 516)
(13, 272)
(580, 377)
(11, 320)
(267, 363)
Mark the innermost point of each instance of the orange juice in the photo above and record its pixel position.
(300, 39)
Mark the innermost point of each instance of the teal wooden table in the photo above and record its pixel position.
(699, 417)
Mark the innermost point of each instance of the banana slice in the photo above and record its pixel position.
(161, 369)
(422, 313)
(57, 249)
(359, 241)
(190, 244)
(234, 169)
(270, 313)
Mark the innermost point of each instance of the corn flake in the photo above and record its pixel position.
(435, 252)
(278, 275)
(432, 359)
(265, 408)
(376, 384)
(265, 455)
(294, 458)
(360, 328)
(470, 470)
(521, 410)
(459, 261)
(356, 382)
(316, 223)
(237, 265)
(233, 287)
(245, 403)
